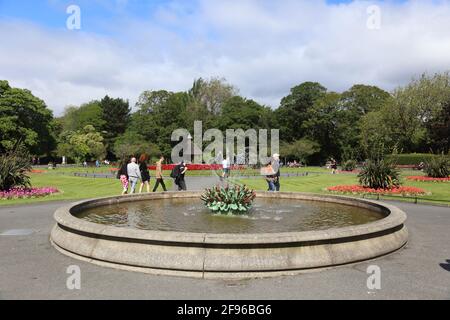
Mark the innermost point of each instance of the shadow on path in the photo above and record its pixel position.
(445, 266)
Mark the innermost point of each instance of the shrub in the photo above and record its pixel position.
(235, 200)
(14, 166)
(379, 174)
(438, 167)
(349, 165)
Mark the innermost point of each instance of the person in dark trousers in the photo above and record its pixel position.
(145, 174)
(179, 173)
(276, 167)
(333, 164)
(159, 175)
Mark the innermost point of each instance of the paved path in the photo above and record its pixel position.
(30, 268)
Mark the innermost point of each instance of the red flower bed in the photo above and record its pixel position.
(37, 171)
(428, 179)
(23, 193)
(356, 189)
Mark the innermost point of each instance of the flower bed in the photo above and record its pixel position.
(24, 193)
(356, 189)
(37, 171)
(428, 179)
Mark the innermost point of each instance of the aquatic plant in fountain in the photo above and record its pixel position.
(235, 200)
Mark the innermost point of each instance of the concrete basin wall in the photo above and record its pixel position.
(227, 255)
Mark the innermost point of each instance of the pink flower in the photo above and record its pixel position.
(22, 193)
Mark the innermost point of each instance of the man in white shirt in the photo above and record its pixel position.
(226, 168)
(134, 174)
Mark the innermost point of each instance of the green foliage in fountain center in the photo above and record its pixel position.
(236, 200)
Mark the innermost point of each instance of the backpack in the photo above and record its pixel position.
(175, 172)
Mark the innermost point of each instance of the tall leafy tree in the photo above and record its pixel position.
(159, 114)
(354, 104)
(241, 113)
(76, 118)
(116, 117)
(415, 111)
(24, 118)
(294, 109)
(212, 93)
(321, 125)
(438, 128)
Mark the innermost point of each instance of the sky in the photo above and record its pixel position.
(263, 47)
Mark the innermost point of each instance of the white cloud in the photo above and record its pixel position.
(262, 47)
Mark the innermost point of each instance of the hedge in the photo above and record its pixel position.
(410, 158)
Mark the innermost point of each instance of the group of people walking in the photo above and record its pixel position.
(133, 171)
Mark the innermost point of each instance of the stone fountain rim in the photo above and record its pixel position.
(64, 217)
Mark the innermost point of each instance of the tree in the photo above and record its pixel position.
(76, 118)
(85, 144)
(241, 113)
(416, 111)
(134, 144)
(159, 114)
(354, 104)
(321, 124)
(24, 118)
(362, 99)
(438, 128)
(294, 109)
(300, 150)
(375, 135)
(212, 93)
(116, 117)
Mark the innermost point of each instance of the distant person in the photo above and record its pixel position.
(276, 168)
(159, 174)
(134, 174)
(145, 174)
(122, 174)
(421, 166)
(269, 175)
(97, 163)
(333, 165)
(226, 168)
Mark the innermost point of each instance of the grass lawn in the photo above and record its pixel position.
(318, 179)
(75, 188)
(317, 183)
(107, 170)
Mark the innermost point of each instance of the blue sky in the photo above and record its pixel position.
(52, 13)
(263, 47)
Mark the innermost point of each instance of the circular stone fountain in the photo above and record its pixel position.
(172, 234)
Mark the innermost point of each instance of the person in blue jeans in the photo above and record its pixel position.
(134, 174)
(270, 176)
